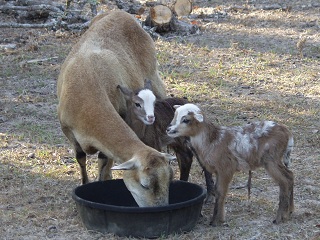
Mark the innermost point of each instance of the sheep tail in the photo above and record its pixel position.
(286, 157)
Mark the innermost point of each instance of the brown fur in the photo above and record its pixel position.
(224, 150)
(114, 50)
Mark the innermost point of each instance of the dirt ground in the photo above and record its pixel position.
(242, 65)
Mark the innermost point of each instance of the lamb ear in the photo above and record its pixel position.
(128, 165)
(126, 92)
(198, 117)
(176, 106)
(147, 84)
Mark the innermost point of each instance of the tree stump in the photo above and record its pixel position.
(182, 7)
(160, 17)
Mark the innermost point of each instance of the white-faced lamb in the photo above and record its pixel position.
(149, 118)
(225, 150)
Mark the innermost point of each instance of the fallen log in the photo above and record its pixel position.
(24, 14)
(81, 4)
(42, 7)
(51, 25)
(132, 7)
(39, 61)
(183, 27)
(36, 2)
(26, 25)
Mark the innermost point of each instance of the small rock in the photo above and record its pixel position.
(52, 229)
(8, 46)
(272, 7)
(31, 155)
(2, 119)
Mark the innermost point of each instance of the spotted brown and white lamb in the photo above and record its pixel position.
(226, 150)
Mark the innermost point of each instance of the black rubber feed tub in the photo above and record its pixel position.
(109, 207)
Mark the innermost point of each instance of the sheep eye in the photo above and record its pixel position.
(145, 187)
(185, 120)
(138, 105)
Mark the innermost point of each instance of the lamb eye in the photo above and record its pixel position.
(138, 105)
(185, 120)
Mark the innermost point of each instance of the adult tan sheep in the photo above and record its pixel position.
(114, 51)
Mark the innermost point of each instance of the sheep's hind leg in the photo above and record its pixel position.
(222, 185)
(81, 157)
(104, 166)
(291, 206)
(249, 184)
(184, 157)
(284, 177)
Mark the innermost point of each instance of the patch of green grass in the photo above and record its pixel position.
(36, 133)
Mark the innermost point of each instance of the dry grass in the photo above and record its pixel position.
(240, 68)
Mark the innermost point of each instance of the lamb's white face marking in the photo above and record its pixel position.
(184, 110)
(180, 115)
(148, 105)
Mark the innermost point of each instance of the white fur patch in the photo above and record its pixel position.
(185, 109)
(243, 144)
(266, 127)
(286, 158)
(148, 100)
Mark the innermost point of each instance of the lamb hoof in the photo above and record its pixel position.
(213, 224)
(279, 220)
(282, 216)
(216, 224)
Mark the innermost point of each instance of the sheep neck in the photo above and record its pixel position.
(207, 134)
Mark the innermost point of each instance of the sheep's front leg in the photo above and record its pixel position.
(210, 186)
(222, 185)
(207, 174)
(104, 167)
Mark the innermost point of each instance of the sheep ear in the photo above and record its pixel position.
(169, 157)
(176, 106)
(147, 84)
(128, 165)
(198, 117)
(126, 92)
